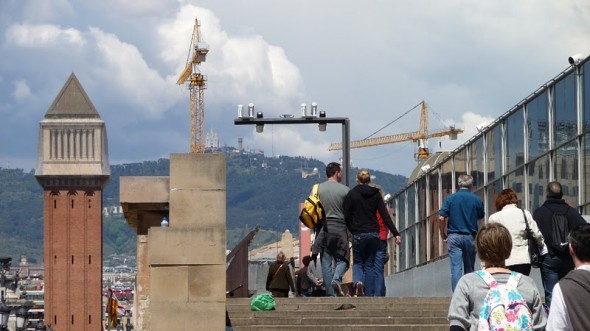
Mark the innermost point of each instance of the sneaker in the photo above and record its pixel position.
(337, 289)
(360, 289)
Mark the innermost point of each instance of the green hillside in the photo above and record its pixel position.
(264, 191)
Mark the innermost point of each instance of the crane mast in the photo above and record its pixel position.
(196, 83)
(419, 136)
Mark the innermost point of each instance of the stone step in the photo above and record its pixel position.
(368, 327)
(290, 304)
(339, 313)
(381, 313)
(318, 319)
(405, 300)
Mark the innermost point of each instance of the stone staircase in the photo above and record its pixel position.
(342, 314)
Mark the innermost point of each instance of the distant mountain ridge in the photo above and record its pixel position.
(261, 191)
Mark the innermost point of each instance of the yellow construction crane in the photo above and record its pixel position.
(419, 136)
(196, 83)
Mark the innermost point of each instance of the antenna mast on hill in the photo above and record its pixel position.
(196, 83)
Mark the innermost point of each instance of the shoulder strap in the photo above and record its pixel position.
(488, 278)
(279, 268)
(526, 223)
(513, 280)
(314, 191)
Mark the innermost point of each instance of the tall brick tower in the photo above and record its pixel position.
(72, 168)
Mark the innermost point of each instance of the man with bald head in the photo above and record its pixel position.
(558, 262)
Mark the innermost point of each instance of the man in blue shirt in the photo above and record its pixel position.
(462, 210)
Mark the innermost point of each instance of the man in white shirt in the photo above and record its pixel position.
(572, 294)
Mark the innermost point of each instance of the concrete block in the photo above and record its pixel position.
(169, 284)
(142, 280)
(186, 246)
(197, 208)
(200, 283)
(144, 189)
(204, 171)
(187, 317)
(206, 283)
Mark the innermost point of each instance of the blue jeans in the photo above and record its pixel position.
(333, 268)
(552, 270)
(462, 256)
(381, 258)
(364, 250)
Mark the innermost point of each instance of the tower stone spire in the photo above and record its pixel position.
(72, 139)
(72, 168)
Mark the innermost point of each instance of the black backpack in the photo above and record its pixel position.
(560, 229)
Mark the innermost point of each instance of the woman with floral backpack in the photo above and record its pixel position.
(473, 302)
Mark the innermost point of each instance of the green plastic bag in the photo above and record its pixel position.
(263, 302)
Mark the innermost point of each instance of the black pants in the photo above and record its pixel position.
(318, 293)
(280, 293)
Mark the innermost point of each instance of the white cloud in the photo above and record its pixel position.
(470, 122)
(128, 77)
(43, 35)
(292, 141)
(138, 8)
(22, 91)
(240, 69)
(42, 10)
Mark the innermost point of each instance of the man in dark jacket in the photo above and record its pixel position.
(360, 213)
(556, 263)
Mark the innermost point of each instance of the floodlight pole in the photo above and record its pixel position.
(260, 121)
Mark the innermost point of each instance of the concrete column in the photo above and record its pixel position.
(187, 259)
(60, 137)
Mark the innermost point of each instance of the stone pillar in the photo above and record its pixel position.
(187, 259)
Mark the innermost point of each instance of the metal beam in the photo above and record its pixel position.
(311, 120)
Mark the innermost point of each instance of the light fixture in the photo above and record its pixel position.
(386, 198)
(259, 127)
(240, 111)
(321, 126)
(21, 317)
(251, 110)
(4, 314)
(575, 59)
(314, 109)
(425, 168)
(303, 110)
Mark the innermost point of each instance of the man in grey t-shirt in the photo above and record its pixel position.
(332, 239)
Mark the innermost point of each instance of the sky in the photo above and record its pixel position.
(370, 61)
